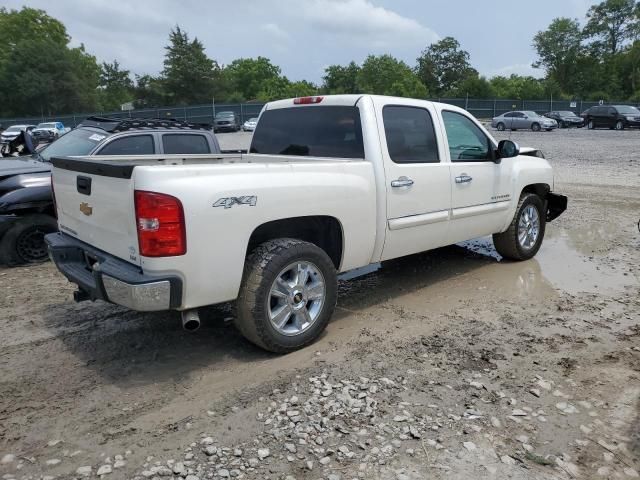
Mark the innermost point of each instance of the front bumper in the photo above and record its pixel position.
(101, 276)
(633, 123)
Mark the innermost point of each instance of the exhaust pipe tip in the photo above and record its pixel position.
(190, 320)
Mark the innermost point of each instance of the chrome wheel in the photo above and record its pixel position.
(528, 227)
(296, 298)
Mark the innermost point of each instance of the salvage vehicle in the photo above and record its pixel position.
(616, 117)
(12, 132)
(566, 118)
(49, 131)
(330, 184)
(26, 204)
(250, 125)
(528, 120)
(226, 122)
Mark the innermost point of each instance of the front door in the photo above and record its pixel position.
(481, 188)
(416, 177)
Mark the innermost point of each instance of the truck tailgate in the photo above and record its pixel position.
(95, 205)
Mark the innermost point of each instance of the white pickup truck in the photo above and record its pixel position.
(330, 184)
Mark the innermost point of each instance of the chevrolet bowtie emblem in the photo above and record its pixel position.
(86, 209)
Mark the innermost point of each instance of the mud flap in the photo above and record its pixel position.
(556, 204)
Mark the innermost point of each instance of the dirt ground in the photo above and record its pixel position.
(448, 364)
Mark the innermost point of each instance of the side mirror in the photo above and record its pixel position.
(508, 149)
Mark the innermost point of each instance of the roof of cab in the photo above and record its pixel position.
(348, 100)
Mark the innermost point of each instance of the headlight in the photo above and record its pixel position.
(630, 118)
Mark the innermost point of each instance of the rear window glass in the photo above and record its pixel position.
(133, 145)
(185, 144)
(332, 131)
(410, 135)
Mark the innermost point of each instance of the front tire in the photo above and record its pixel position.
(590, 125)
(288, 294)
(23, 243)
(523, 238)
(535, 127)
(619, 125)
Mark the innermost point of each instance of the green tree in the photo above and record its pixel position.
(149, 92)
(474, 87)
(611, 23)
(558, 48)
(189, 76)
(341, 79)
(443, 65)
(39, 73)
(280, 87)
(247, 77)
(385, 75)
(116, 86)
(518, 87)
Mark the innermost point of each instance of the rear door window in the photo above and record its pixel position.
(410, 135)
(184, 144)
(327, 131)
(131, 145)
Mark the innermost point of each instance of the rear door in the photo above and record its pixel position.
(417, 179)
(481, 188)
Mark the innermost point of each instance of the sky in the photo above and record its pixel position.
(303, 37)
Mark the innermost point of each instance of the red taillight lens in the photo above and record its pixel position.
(307, 100)
(160, 224)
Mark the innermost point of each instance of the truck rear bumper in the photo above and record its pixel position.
(101, 276)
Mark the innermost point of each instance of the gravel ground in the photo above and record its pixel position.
(448, 364)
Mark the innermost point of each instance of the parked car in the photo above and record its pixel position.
(522, 119)
(566, 118)
(26, 204)
(368, 178)
(250, 125)
(49, 131)
(12, 132)
(226, 122)
(611, 116)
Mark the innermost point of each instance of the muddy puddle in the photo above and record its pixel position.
(569, 261)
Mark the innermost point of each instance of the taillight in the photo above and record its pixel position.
(307, 100)
(53, 197)
(160, 224)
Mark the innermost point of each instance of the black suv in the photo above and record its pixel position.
(26, 204)
(226, 122)
(565, 118)
(611, 116)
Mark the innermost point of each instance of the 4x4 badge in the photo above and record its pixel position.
(86, 209)
(228, 202)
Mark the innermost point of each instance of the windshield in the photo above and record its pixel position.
(224, 114)
(15, 128)
(77, 142)
(627, 110)
(567, 114)
(531, 114)
(46, 125)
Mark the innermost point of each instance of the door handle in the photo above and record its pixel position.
(464, 178)
(402, 182)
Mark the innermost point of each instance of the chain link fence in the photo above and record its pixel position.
(480, 108)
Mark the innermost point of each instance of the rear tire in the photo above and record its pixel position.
(563, 124)
(518, 242)
(500, 127)
(280, 307)
(535, 127)
(23, 243)
(590, 125)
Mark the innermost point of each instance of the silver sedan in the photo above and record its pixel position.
(523, 119)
